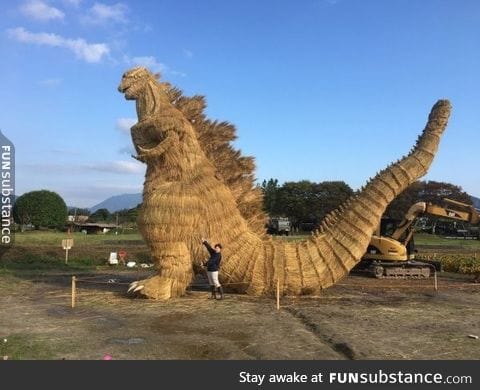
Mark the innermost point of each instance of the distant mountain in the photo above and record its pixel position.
(476, 201)
(118, 202)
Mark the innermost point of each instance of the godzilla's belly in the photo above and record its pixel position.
(168, 214)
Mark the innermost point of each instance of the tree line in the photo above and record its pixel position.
(47, 209)
(306, 202)
(303, 202)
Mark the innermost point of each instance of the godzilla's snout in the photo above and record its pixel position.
(127, 90)
(122, 88)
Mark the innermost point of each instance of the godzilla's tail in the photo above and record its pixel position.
(317, 263)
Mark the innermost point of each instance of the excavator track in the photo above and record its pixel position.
(408, 270)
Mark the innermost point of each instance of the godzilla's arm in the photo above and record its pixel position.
(171, 141)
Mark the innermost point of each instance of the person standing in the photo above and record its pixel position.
(213, 265)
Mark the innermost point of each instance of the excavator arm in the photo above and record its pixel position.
(393, 255)
(410, 217)
(461, 211)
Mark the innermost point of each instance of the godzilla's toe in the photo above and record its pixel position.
(135, 286)
(132, 286)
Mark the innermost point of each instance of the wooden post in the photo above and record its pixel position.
(66, 255)
(74, 290)
(67, 244)
(278, 294)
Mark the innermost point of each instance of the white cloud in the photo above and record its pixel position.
(128, 150)
(74, 3)
(50, 82)
(48, 169)
(89, 52)
(187, 53)
(66, 152)
(124, 124)
(122, 167)
(327, 3)
(177, 73)
(117, 167)
(101, 13)
(150, 62)
(40, 10)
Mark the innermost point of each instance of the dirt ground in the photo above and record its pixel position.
(359, 318)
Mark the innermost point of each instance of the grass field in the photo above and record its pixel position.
(50, 238)
(422, 240)
(41, 251)
(358, 318)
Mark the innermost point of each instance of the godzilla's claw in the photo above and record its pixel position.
(134, 286)
(142, 150)
(139, 157)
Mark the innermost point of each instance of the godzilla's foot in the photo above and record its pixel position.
(158, 287)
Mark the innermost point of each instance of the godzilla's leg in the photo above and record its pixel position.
(174, 272)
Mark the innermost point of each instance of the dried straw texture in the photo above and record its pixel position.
(188, 193)
(233, 169)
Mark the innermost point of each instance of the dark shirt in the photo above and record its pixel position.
(213, 263)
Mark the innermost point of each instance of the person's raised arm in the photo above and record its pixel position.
(207, 245)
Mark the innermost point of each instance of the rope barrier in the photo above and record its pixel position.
(389, 286)
(100, 282)
(471, 284)
(91, 277)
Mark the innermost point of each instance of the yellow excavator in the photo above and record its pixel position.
(391, 252)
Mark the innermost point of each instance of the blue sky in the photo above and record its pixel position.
(318, 89)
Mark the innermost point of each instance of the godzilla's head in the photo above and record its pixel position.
(134, 82)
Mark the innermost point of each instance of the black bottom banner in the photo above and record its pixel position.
(242, 374)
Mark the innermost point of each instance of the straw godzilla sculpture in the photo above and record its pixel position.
(197, 185)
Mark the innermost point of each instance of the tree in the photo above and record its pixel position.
(128, 215)
(436, 191)
(330, 195)
(296, 200)
(425, 191)
(309, 202)
(400, 205)
(101, 215)
(40, 209)
(78, 211)
(270, 195)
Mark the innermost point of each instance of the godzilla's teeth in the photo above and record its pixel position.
(132, 286)
(139, 288)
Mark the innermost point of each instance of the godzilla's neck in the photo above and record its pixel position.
(149, 103)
